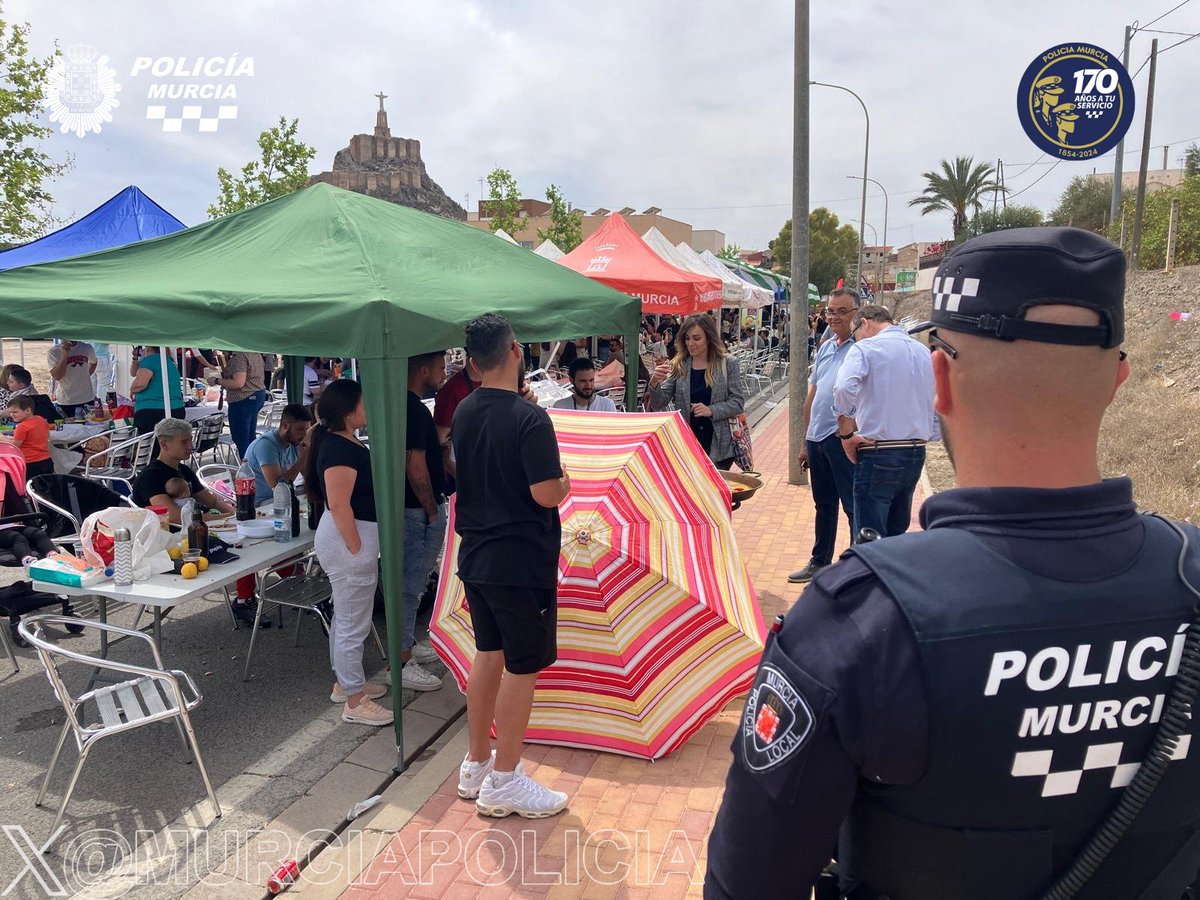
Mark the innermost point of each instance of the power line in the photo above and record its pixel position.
(1164, 50)
(1035, 181)
(1159, 31)
(1163, 16)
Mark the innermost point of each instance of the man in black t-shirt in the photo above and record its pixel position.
(174, 438)
(424, 513)
(510, 483)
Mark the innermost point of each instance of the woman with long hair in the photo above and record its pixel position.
(339, 483)
(705, 384)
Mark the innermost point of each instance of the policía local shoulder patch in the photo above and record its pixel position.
(777, 721)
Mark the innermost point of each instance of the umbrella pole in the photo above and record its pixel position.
(166, 384)
(387, 423)
(22, 353)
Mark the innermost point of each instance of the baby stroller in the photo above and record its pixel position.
(16, 511)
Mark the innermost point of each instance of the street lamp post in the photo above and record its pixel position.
(862, 215)
(885, 218)
(874, 237)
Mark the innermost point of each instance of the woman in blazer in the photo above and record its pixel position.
(705, 385)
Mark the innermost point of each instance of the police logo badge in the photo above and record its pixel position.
(777, 721)
(1075, 101)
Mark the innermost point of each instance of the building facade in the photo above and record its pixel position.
(535, 216)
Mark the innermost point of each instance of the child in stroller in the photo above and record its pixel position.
(21, 540)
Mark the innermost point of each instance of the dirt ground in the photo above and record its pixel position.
(1152, 430)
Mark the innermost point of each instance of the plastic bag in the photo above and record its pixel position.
(150, 541)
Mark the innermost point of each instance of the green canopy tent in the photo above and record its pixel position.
(322, 272)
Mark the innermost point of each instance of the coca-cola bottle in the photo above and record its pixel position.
(243, 488)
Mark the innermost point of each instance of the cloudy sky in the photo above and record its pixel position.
(682, 105)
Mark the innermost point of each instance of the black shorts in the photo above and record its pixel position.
(521, 621)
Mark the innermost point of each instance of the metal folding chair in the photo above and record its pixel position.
(154, 694)
(121, 462)
(206, 436)
(305, 589)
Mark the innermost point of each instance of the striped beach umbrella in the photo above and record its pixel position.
(658, 624)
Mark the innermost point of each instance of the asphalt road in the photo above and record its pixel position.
(278, 734)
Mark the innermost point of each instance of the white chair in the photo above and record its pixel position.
(154, 694)
(206, 437)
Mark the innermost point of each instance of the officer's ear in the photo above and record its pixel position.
(943, 400)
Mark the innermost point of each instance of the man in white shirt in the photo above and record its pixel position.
(883, 397)
(72, 364)
(583, 380)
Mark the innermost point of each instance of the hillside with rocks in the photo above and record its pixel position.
(1152, 431)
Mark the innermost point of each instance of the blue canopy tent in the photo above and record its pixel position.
(126, 218)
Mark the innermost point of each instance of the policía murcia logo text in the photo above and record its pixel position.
(1075, 101)
(81, 90)
(202, 89)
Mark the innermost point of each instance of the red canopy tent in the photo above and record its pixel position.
(614, 255)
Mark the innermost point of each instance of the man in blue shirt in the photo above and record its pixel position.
(883, 397)
(831, 474)
(279, 455)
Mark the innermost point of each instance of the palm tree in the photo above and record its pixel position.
(957, 188)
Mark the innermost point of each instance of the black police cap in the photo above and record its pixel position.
(988, 284)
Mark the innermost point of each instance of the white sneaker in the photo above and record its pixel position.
(368, 712)
(522, 795)
(471, 775)
(372, 691)
(423, 652)
(415, 678)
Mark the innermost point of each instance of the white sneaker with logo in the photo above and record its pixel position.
(423, 652)
(471, 775)
(521, 795)
(416, 678)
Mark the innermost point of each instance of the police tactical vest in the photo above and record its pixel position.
(1043, 696)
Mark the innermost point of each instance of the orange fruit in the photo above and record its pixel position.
(189, 570)
(202, 563)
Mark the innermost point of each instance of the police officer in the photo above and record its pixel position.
(952, 713)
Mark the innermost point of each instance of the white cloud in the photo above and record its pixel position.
(686, 106)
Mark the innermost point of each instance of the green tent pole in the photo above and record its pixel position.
(386, 414)
(293, 370)
(631, 371)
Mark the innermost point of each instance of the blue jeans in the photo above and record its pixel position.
(243, 420)
(884, 481)
(422, 544)
(831, 475)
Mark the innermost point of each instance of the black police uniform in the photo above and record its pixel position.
(952, 713)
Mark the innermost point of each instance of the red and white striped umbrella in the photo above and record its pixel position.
(658, 624)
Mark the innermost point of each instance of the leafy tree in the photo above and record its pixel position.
(504, 202)
(1014, 216)
(1156, 223)
(1085, 203)
(1191, 160)
(781, 249)
(730, 251)
(832, 246)
(566, 225)
(282, 169)
(25, 169)
(957, 189)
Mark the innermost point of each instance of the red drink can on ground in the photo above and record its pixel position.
(284, 876)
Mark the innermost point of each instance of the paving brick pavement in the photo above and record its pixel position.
(634, 829)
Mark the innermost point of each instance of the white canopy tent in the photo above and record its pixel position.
(756, 297)
(731, 294)
(549, 250)
(505, 236)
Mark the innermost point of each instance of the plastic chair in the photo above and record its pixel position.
(154, 694)
(206, 436)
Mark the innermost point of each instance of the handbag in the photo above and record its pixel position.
(739, 431)
(743, 447)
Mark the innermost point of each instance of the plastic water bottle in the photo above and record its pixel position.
(122, 557)
(281, 501)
